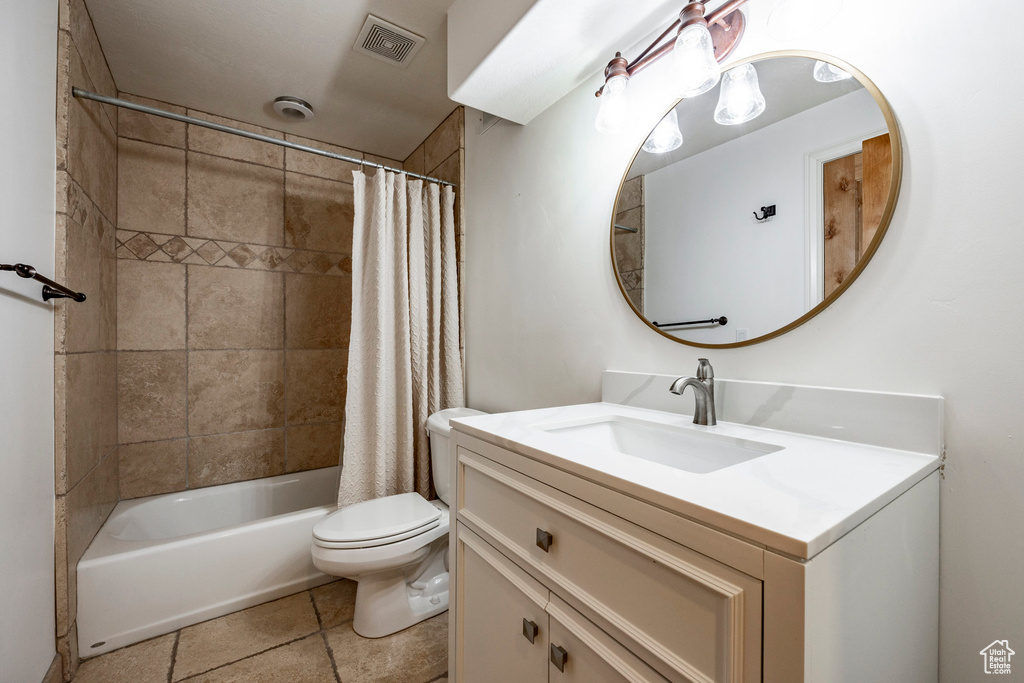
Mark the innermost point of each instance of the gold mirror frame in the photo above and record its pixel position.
(883, 226)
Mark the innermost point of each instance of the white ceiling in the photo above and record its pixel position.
(789, 88)
(233, 57)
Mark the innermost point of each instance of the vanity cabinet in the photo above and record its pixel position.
(549, 565)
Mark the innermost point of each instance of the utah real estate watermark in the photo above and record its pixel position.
(997, 657)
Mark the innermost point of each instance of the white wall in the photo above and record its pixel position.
(706, 255)
(28, 67)
(937, 311)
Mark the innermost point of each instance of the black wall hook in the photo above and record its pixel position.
(767, 211)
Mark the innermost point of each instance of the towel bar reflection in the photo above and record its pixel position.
(711, 321)
(51, 289)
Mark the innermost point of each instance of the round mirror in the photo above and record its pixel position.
(750, 208)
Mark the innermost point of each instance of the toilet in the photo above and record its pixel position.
(396, 547)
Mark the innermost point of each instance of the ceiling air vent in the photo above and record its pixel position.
(389, 43)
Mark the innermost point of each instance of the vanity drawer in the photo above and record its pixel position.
(690, 617)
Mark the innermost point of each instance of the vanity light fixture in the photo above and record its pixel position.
(699, 41)
(829, 73)
(666, 136)
(740, 99)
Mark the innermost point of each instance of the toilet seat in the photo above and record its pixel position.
(377, 522)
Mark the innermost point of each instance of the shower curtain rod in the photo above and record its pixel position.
(125, 104)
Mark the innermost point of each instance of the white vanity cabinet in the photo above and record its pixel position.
(628, 590)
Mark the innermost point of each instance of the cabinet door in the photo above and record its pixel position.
(579, 652)
(500, 610)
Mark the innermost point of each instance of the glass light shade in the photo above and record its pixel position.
(693, 60)
(829, 73)
(614, 115)
(666, 135)
(792, 19)
(740, 99)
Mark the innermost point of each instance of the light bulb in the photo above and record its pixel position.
(829, 73)
(666, 136)
(793, 19)
(693, 57)
(614, 115)
(741, 99)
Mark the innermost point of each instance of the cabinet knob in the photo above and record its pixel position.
(544, 540)
(559, 657)
(529, 630)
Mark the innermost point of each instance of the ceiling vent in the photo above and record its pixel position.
(389, 43)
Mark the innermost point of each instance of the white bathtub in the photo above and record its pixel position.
(167, 561)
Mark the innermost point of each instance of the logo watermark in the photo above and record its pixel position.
(997, 657)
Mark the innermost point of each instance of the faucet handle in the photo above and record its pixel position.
(704, 369)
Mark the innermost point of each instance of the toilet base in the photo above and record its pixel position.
(393, 600)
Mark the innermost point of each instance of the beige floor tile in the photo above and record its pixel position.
(336, 602)
(305, 661)
(146, 662)
(233, 637)
(415, 655)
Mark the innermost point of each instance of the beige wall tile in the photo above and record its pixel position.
(238, 456)
(414, 163)
(631, 196)
(92, 146)
(146, 469)
(150, 306)
(335, 602)
(318, 311)
(448, 170)
(629, 246)
(151, 395)
(214, 643)
(304, 661)
(88, 45)
(637, 297)
(235, 309)
(393, 163)
(63, 95)
(89, 503)
(230, 391)
(419, 653)
(149, 128)
(314, 446)
(91, 411)
(320, 166)
(91, 268)
(315, 385)
(232, 200)
(67, 648)
(318, 214)
(146, 662)
(446, 139)
(150, 187)
(60, 564)
(233, 146)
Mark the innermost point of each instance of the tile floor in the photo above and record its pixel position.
(303, 638)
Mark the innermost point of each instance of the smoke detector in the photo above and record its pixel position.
(293, 109)
(389, 43)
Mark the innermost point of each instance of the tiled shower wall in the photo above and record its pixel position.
(85, 396)
(629, 246)
(234, 304)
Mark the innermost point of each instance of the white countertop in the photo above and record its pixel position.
(797, 500)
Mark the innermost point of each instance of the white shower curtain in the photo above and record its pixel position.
(404, 361)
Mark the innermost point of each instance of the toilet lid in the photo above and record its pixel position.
(377, 519)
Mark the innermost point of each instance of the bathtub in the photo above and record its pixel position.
(168, 561)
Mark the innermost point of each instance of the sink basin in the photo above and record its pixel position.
(683, 449)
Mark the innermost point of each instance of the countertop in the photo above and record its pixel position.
(796, 501)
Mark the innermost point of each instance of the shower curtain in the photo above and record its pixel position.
(404, 361)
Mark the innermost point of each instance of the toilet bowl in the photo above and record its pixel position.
(396, 547)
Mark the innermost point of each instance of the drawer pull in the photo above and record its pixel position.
(559, 657)
(530, 630)
(544, 540)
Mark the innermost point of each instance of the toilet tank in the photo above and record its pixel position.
(441, 457)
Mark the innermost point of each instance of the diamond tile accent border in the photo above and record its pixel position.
(142, 246)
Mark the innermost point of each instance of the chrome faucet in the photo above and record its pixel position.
(703, 392)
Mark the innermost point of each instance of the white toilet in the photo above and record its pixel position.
(396, 547)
